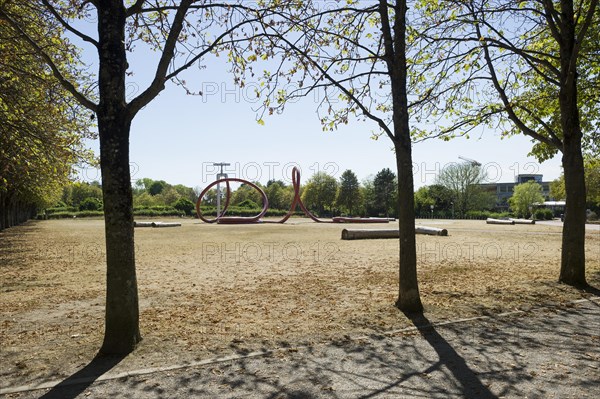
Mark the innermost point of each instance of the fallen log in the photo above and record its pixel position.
(368, 234)
(523, 221)
(342, 219)
(365, 234)
(499, 221)
(432, 231)
(142, 224)
(164, 224)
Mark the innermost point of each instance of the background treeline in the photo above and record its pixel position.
(456, 194)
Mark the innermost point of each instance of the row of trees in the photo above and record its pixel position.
(41, 127)
(322, 194)
(377, 196)
(456, 192)
(457, 63)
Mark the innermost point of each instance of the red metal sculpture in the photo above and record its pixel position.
(222, 219)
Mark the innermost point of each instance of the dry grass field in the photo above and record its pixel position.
(215, 289)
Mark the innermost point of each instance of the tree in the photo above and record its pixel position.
(557, 188)
(319, 192)
(157, 187)
(210, 198)
(79, 191)
(90, 204)
(349, 196)
(423, 201)
(41, 130)
(542, 74)
(591, 167)
(276, 194)
(443, 198)
(385, 187)
(463, 181)
(592, 181)
(185, 192)
(367, 191)
(168, 195)
(245, 193)
(356, 56)
(525, 195)
(164, 26)
(185, 205)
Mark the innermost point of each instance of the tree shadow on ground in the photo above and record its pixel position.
(540, 353)
(471, 385)
(591, 290)
(77, 383)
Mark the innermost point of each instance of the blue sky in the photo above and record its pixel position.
(177, 137)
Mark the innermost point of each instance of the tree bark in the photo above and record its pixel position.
(122, 332)
(572, 267)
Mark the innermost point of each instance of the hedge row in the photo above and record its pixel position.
(240, 211)
(61, 209)
(482, 215)
(68, 215)
(83, 214)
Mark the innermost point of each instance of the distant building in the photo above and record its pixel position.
(504, 191)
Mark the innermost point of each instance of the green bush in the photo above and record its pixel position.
(153, 212)
(90, 204)
(185, 205)
(500, 215)
(61, 209)
(482, 215)
(85, 214)
(157, 208)
(142, 212)
(248, 204)
(68, 215)
(544, 214)
(210, 212)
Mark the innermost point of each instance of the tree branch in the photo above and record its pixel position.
(341, 87)
(158, 83)
(553, 140)
(386, 33)
(584, 28)
(549, 15)
(207, 50)
(135, 8)
(67, 26)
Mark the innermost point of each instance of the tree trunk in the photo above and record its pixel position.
(3, 211)
(122, 332)
(409, 299)
(572, 267)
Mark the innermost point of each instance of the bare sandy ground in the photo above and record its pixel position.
(210, 289)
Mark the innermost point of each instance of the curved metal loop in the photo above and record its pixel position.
(296, 201)
(221, 218)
